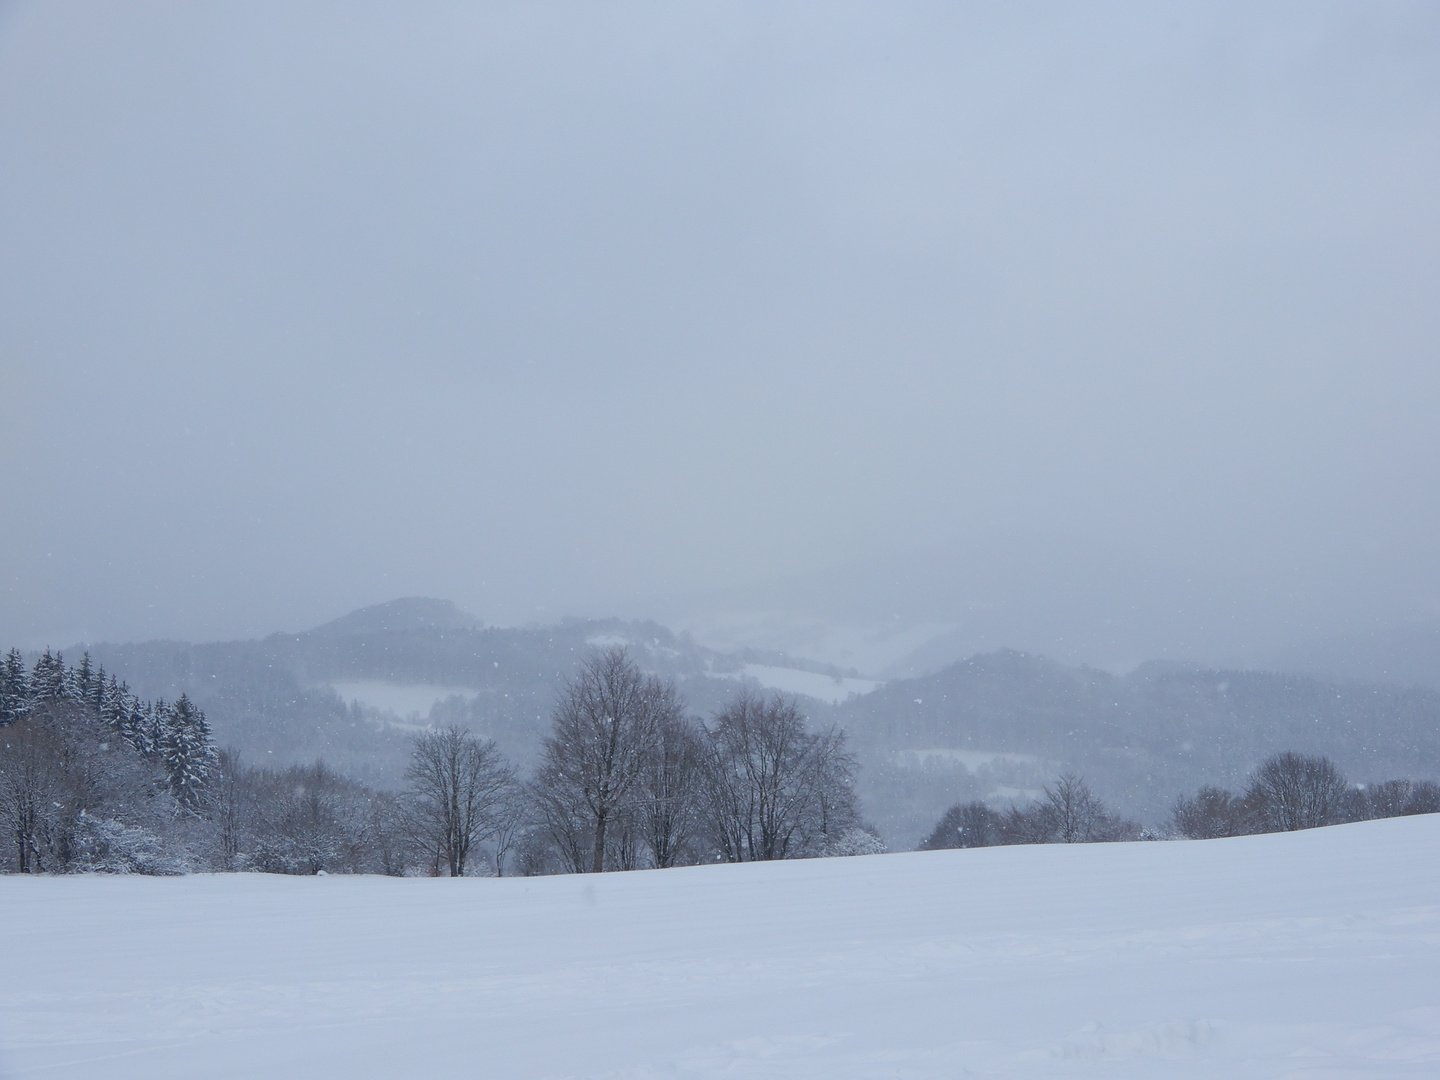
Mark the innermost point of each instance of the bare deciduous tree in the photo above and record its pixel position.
(33, 790)
(564, 830)
(835, 812)
(512, 815)
(1077, 815)
(1424, 798)
(230, 806)
(1212, 812)
(668, 805)
(1399, 798)
(306, 827)
(1031, 824)
(594, 759)
(1292, 791)
(1068, 813)
(774, 791)
(965, 825)
(458, 786)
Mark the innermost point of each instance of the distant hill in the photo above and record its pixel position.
(1006, 723)
(400, 616)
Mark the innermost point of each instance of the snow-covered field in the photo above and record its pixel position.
(408, 701)
(1304, 955)
(831, 688)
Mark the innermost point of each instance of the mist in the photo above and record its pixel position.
(1109, 332)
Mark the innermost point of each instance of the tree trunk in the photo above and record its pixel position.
(599, 866)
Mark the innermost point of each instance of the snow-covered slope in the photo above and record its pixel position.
(813, 684)
(1301, 955)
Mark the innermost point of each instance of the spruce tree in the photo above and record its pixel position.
(135, 721)
(83, 679)
(14, 688)
(47, 679)
(92, 685)
(114, 709)
(150, 727)
(187, 751)
(70, 689)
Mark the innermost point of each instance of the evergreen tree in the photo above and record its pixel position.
(14, 688)
(112, 708)
(70, 688)
(187, 751)
(92, 685)
(47, 679)
(84, 679)
(137, 722)
(157, 724)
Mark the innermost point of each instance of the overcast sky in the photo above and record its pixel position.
(574, 310)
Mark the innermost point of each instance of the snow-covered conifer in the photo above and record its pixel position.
(47, 679)
(14, 688)
(113, 708)
(93, 685)
(137, 721)
(70, 687)
(187, 751)
(83, 680)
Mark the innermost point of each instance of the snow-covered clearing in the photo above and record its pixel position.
(406, 700)
(830, 688)
(1304, 955)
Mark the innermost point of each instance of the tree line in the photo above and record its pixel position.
(1293, 791)
(1288, 791)
(1066, 813)
(93, 779)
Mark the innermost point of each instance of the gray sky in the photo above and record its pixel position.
(623, 308)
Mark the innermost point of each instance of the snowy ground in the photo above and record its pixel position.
(1306, 955)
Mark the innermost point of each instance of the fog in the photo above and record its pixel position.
(1109, 332)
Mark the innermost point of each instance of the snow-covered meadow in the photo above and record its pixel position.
(1311, 954)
